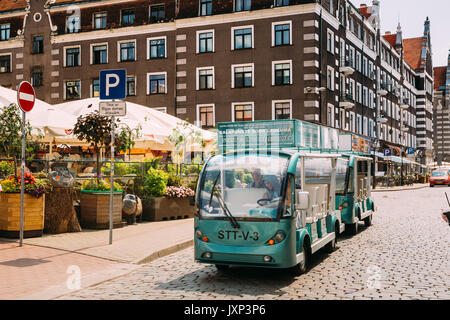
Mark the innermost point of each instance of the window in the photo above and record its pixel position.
(205, 114)
(359, 124)
(100, 54)
(242, 111)
(352, 121)
(281, 34)
(5, 63)
(157, 13)
(330, 115)
(282, 73)
(73, 24)
(205, 7)
(95, 88)
(242, 38)
(131, 86)
(205, 78)
(127, 51)
(242, 76)
(72, 91)
(365, 97)
(127, 17)
(157, 48)
(5, 32)
(358, 93)
(38, 44)
(100, 20)
(281, 3)
(282, 109)
(330, 41)
(330, 78)
(205, 41)
(73, 57)
(37, 79)
(364, 66)
(157, 83)
(242, 5)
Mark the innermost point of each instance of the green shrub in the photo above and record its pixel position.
(101, 185)
(6, 168)
(155, 182)
(173, 180)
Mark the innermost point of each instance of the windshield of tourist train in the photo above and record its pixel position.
(341, 173)
(438, 174)
(245, 186)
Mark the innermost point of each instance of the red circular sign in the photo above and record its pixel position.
(26, 96)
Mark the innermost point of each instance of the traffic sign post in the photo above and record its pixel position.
(25, 98)
(112, 87)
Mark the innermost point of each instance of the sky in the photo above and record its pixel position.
(412, 15)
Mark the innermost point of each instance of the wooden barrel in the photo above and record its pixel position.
(95, 210)
(33, 222)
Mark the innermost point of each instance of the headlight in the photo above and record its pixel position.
(198, 234)
(280, 236)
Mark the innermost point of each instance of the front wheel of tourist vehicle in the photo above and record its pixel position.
(222, 267)
(368, 221)
(331, 246)
(353, 228)
(302, 266)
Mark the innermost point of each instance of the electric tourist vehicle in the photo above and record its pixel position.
(268, 198)
(353, 194)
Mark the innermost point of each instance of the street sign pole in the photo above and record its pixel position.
(111, 191)
(22, 180)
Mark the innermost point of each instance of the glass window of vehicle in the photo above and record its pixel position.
(127, 17)
(281, 3)
(131, 86)
(157, 13)
(205, 42)
(282, 34)
(72, 90)
(205, 79)
(72, 57)
(242, 38)
(73, 24)
(38, 44)
(243, 112)
(205, 7)
(157, 48)
(341, 173)
(127, 50)
(243, 77)
(282, 110)
(250, 186)
(100, 20)
(282, 74)
(95, 87)
(5, 32)
(5, 63)
(100, 54)
(439, 174)
(157, 84)
(242, 5)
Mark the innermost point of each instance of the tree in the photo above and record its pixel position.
(182, 135)
(11, 135)
(96, 130)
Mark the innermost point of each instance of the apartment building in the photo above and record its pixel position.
(441, 111)
(210, 61)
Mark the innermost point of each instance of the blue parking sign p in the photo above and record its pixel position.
(113, 84)
(387, 152)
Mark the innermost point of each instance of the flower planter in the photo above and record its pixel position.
(33, 221)
(95, 209)
(162, 208)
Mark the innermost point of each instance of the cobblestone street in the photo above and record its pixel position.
(405, 254)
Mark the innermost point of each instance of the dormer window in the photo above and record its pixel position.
(157, 13)
(73, 24)
(5, 32)
(281, 3)
(242, 5)
(205, 7)
(100, 20)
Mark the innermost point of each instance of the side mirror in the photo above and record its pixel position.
(302, 200)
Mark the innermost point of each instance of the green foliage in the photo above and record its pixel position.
(247, 178)
(155, 182)
(6, 168)
(100, 185)
(173, 179)
(121, 169)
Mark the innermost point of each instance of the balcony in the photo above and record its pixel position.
(405, 103)
(346, 67)
(346, 101)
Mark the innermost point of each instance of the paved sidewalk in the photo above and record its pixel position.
(38, 270)
(401, 188)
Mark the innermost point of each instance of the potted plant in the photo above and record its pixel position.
(94, 204)
(34, 205)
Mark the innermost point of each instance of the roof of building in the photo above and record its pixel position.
(391, 38)
(12, 5)
(440, 74)
(412, 51)
(365, 10)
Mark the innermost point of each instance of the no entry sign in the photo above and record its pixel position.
(26, 96)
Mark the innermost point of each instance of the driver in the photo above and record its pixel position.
(257, 179)
(272, 188)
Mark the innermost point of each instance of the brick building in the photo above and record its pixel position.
(210, 61)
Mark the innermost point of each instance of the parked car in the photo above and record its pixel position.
(440, 177)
